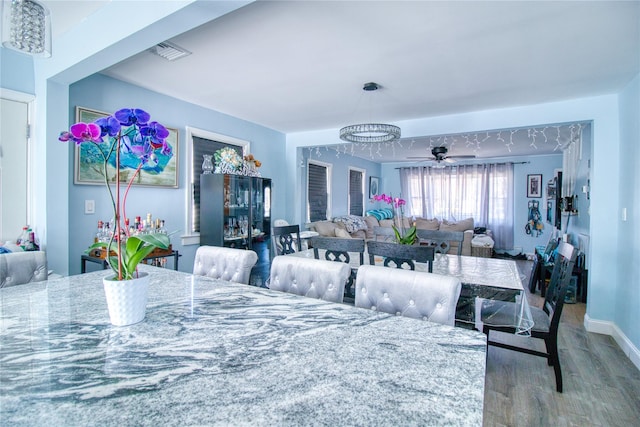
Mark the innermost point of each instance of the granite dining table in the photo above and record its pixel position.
(211, 352)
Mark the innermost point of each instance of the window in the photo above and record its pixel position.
(201, 142)
(482, 192)
(318, 191)
(356, 192)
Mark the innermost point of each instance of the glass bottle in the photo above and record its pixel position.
(207, 164)
(98, 237)
(23, 238)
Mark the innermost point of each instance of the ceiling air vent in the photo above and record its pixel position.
(169, 51)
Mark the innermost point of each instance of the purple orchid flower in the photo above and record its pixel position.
(108, 126)
(155, 133)
(132, 116)
(82, 132)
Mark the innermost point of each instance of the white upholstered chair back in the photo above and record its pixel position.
(408, 293)
(229, 264)
(309, 277)
(18, 268)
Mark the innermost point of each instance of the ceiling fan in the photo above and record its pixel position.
(440, 155)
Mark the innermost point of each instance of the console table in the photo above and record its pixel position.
(105, 264)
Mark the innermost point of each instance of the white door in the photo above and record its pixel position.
(14, 119)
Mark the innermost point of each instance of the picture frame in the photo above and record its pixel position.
(534, 186)
(374, 186)
(88, 162)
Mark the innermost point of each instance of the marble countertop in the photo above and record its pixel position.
(211, 352)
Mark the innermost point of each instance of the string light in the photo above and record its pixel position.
(536, 137)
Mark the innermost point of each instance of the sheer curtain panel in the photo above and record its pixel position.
(482, 192)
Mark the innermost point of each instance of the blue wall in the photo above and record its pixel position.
(627, 299)
(16, 71)
(102, 93)
(339, 176)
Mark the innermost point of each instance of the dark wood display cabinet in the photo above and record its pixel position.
(235, 210)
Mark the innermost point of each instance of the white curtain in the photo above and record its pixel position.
(482, 192)
(571, 154)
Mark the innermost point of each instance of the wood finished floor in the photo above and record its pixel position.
(601, 385)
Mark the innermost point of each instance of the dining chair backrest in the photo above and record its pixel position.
(559, 284)
(229, 264)
(402, 256)
(384, 234)
(18, 268)
(441, 240)
(309, 277)
(337, 249)
(286, 239)
(408, 293)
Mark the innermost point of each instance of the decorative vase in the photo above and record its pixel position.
(126, 299)
(207, 164)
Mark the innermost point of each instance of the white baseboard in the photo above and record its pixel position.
(609, 328)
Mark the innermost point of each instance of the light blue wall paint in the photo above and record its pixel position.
(579, 224)
(544, 165)
(102, 93)
(339, 176)
(627, 299)
(16, 71)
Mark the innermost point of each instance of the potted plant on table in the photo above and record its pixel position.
(126, 140)
(403, 237)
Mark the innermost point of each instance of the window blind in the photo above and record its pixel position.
(317, 192)
(356, 197)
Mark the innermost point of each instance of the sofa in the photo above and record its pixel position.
(362, 227)
(22, 267)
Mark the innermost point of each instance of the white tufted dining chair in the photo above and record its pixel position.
(229, 264)
(408, 293)
(309, 277)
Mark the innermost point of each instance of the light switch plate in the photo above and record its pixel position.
(89, 207)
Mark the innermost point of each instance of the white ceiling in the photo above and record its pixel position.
(300, 66)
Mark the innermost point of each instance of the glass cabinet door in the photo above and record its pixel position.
(261, 208)
(236, 194)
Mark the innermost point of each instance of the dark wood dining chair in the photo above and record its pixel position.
(384, 234)
(337, 249)
(441, 240)
(286, 239)
(500, 316)
(402, 256)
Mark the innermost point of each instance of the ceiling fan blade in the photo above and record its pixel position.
(421, 158)
(449, 160)
(466, 156)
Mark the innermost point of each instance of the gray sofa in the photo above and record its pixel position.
(362, 228)
(18, 268)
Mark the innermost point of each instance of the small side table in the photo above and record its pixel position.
(105, 264)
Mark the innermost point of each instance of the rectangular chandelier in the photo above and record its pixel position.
(26, 27)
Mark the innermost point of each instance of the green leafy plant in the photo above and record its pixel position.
(409, 237)
(126, 139)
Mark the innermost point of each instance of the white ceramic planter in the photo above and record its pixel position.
(126, 299)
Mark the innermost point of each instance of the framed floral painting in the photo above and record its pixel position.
(88, 162)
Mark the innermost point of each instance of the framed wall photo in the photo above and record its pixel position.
(88, 163)
(374, 186)
(534, 185)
